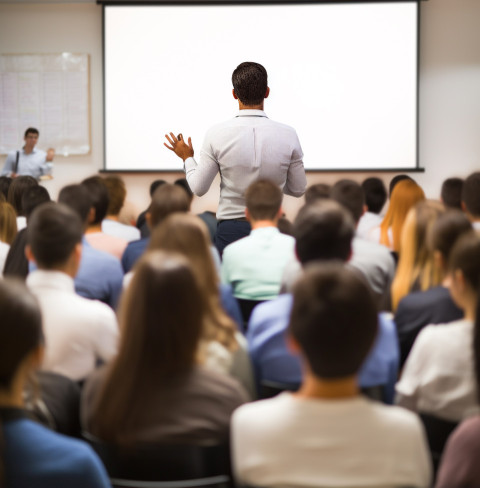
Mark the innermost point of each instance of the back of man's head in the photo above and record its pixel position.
(318, 191)
(52, 234)
(375, 194)
(32, 198)
(263, 200)
(78, 199)
(349, 194)
(183, 183)
(451, 193)
(16, 190)
(471, 195)
(393, 183)
(117, 193)
(333, 320)
(166, 200)
(323, 231)
(250, 82)
(99, 194)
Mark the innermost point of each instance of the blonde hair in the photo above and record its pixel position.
(404, 196)
(415, 266)
(188, 235)
(8, 223)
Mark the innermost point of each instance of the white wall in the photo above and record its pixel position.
(449, 93)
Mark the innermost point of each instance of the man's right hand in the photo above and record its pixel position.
(178, 146)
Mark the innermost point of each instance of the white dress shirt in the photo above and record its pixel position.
(78, 331)
(34, 164)
(245, 149)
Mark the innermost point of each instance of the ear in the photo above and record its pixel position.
(247, 214)
(280, 213)
(91, 215)
(78, 252)
(233, 93)
(28, 253)
(292, 344)
(459, 278)
(464, 207)
(267, 92)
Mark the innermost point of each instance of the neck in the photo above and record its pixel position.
(241, 106)
(314, 387)
(113, 217)
(259, 224)
(470, 311)
(447, 281)
(27, 150)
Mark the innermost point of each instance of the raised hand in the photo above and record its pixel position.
(178, 146)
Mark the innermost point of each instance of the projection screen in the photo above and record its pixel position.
(344, 75)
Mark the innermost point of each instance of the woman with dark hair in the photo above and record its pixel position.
(155, 390)
(16, 190)
(31, 455)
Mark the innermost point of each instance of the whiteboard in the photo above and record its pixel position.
(49, 92)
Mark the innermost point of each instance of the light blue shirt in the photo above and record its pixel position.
(33, 164)
(254, 265)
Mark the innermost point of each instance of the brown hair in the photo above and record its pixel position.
(166, 200)
(116, 194)
(8, 223)
(16, 189)
(263, 200)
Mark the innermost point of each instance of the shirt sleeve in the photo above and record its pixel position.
(200, 176)
(9, 162)
(296, 183)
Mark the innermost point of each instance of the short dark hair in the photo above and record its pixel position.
(78, 199)
(447, 229)
(19, 185)
(33, 197)
(451, 193)
(250, 82)
(334, 319)
(5, 182)
(52, 233)
(396, 179)
(263, 200)
(166, 200)
(349, 194)
(375, 194)
(99, 194)
(183, 183)
(471, 194)
(324, 231)
(154, 185)
(31, 130)
(318, 191)
(465, 256)
(116, 193)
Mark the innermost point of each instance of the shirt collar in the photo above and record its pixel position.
(251, 113)
(50, 279)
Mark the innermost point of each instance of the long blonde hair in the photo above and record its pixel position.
(188, 235)
(415, 265)
(8, 223)
(404, 196)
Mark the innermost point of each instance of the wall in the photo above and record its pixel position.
(449, 94)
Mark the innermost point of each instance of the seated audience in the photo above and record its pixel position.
(155, 390)
(451, 193)
(15, 192)
(438, 378)
(471, 199)
(375, 198)
(31, 455)
(78, 332)
(435, 305)
(324, 232)
(142, 225)
(8, 231)
(100, 275)
(253, 266)
(111, 224)
(327, 434)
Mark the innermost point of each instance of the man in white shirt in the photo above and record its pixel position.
(244, 149)
(78, 332)
(327, 434)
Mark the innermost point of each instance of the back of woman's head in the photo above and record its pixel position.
(16, 190)
(8, 223)
(465, 256)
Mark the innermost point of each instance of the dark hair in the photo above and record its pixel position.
(52, 233)
(17, 188)
(318, 191)
(31, 130)
(183, 183)
(33, 197)
(263, 200)
(396, 179)
(78, 199)
(465, 256)
(447, 229)
(116, 193)
(250, 83)
(5, 182)
(471, 194)
(99, 194)
(375, 194)
(323, 230)
(451, 193)
(349, 194)
(154, 185)
(161, 317)
(334, 319)
(166, 200)
(285, 226)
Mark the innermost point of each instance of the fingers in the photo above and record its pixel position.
(168, 147)
(171, 139)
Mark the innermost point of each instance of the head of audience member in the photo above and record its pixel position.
(323, 231)
(5, 182)
(405, 195)
(183, 183)
(187, 234)
(32, 198)
(318, 191)
(99, 195)
(375, 194)
(16, 190)
(54, 238)
(263, 200)
(154, 185)
(285, 226)
(349, 194)
(451, 193)
(8, 223)
(393, 182)
(333, 325)
(250, 84)
(471, 196)
(77, 197)
(166, 200)
(117, 193)
(162, 295)
(416, 270)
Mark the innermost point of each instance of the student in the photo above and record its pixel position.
(141, 224)
(327, 434)
(471, 199)
(8, 231)
(451, 193)
(375, 198)
(33, 456)
(15, 192)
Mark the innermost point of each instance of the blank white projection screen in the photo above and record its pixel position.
(343, 75)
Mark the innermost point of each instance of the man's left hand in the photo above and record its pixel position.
(178, 146)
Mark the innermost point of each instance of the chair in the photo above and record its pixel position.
(269, 389)
(246, 308)
(164, 466)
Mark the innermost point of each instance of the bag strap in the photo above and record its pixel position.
(16, 162)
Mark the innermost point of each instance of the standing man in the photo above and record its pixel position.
(29, 160)
(244, 149)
